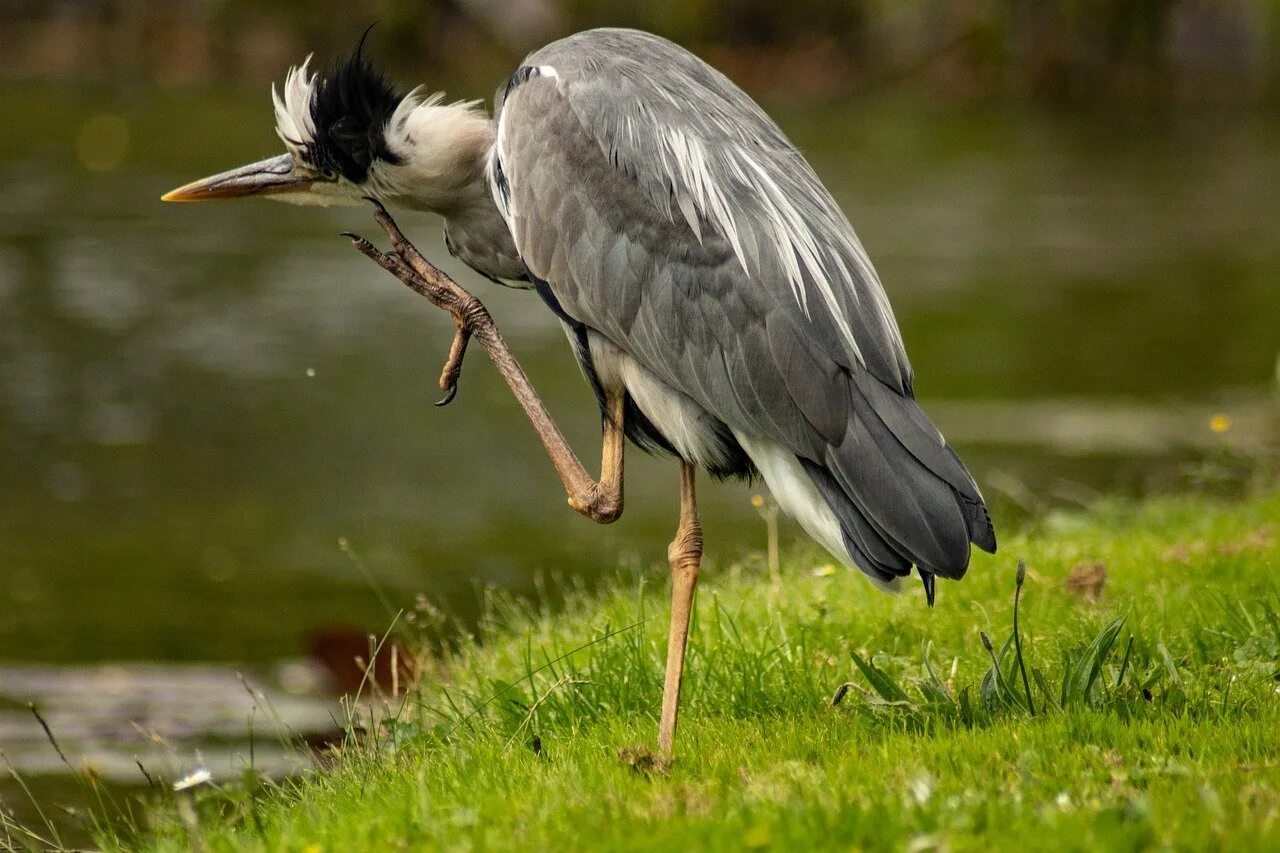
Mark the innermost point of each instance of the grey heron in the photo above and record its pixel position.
(715, 296)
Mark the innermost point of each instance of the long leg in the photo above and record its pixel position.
(685, 557)
(600, 501)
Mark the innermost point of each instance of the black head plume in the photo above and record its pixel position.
(350, 107)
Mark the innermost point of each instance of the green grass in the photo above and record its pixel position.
(1156, 712)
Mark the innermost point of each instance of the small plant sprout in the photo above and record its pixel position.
(768, 509)
(1000, 692)
(1019, 579)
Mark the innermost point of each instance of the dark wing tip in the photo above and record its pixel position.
(981, 531)
(929, 579)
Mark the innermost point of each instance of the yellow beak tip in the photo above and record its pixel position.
(266, 177)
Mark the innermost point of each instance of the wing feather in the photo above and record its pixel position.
(668, 213)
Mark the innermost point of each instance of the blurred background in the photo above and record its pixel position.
(219, 455)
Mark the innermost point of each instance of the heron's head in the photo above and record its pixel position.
(349, 133)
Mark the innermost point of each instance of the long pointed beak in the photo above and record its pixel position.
(273, 175)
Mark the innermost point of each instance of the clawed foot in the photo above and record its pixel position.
(406, 263)
(452, 369)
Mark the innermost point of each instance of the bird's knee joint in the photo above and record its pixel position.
(606, 511)
(597, 506)
(685, 551)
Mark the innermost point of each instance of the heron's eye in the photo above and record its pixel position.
(329, 174)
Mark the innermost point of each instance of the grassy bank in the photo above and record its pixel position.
(1153, 715)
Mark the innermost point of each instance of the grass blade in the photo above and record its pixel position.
(880, 681)
(1089, 665)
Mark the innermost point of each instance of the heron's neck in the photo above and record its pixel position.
(442, 150)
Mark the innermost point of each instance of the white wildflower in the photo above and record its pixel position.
(195, 778)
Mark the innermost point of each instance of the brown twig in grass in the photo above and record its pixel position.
(48, 733)
(151, 783)
(375, 650)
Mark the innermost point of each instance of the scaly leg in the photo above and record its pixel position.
(685, 557)
(600, 501)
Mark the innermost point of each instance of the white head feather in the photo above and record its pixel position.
(294, 124)
(440, 147)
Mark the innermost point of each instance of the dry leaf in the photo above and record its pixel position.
(1085, 581)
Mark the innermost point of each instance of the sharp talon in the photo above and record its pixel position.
(349, 235)
(448, 396)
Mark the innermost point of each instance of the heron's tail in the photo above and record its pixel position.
(890, 496)
(901, 495)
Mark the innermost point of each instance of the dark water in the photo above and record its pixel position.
(198, 402)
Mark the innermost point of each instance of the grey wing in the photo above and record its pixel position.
(669, 214)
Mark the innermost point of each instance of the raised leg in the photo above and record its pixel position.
(600, 501)
(685, 557)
